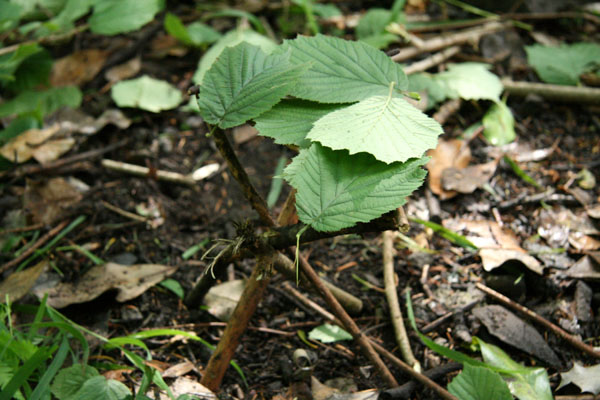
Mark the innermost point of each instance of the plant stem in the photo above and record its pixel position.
(244, 310)
(240, 175)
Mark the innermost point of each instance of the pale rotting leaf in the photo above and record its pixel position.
(327, 391)
(243, 83)
(470, 81)
(21, 148)
(129, 281)
(336, 190)
(587, 378)
(184, 385)
(146, 93)
(587, 267)
(328, 333)
(361, 70)
(389, 128)
(124, 71)
(221, 299)
(512, 330)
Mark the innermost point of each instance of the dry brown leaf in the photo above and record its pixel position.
(580, 242)
(586, 268)
(77, 68)
(178, 370)
(469, 179)
(48, 201)
(449, 153)
(20, 149)
(244, 133)
(594, 211)
(19, 283)
(221, 299)
(130, 281)
(52, 150)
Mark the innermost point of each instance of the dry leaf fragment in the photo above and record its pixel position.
(77, 68)
(587, 378)
(130, 281)
(585, 268)
(221, 299)
(124, 71)
(21, 148)
(48, 201)
(448, 153)
(19, 283)
(468, 179)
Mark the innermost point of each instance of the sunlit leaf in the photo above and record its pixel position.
(146, 93)
(111, 17)
(478, 383)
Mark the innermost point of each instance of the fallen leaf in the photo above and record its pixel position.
(178, 370)
(585, 268)
(512, 330)
(321, 391)
(21, 148)
(587, 378)
(468, 179)
(124, 71)
(244, 133)
(493, 258)
(186, 386)
(580, 242)
(130, 281)
(594, 211)
(448, 153)
(52, 150)
(19, 283)
(48, 201)
(221, 299)
(77, 68)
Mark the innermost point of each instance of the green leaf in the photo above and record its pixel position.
(562, 65)
(18, 126)
(447, 234)
(33, 71)
(111, 17)
(381, 40)
(244, 83)
(174, 286)
(326, 10)
(471, 81)
(520, 173)
(231, 39)
(11, 61)
(24, 372)
(146, 93)
(175, 28)
(499, 124)
(336, 190)
(98, 387)
(526, 383)
(72, 11)
(424, 82)
(478, 383)
(342, 71)
(289, 121)
(42, 103)
(373, 23)
(11, 13)
(202, 34)
(328, 333)
(389, 128)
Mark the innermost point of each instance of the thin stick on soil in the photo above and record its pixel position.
(138, 170)
(51, 233)
(394, 305)
(432, 61)
(560, 93)
(542, 321)
(441, 42)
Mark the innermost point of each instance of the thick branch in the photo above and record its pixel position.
(561, 93)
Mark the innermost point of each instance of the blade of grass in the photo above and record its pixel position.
(43, 386)
(194, 249)
(94, 258)
(24, 372)
(520, 173)
(446, 233)
(51, 244)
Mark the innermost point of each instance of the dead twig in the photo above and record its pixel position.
(441, 42)
(126, 214)
(21, 229)
(560, 93)
(394, 305)
(138, 170)
(542, 321)
(49, 235)
(432, 61)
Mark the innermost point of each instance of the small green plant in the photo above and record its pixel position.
(361, 144)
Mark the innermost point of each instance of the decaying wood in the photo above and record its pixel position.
(138, 170)
(561, 93)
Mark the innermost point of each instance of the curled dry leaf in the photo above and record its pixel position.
(496, 244)
(21, 148)
(448, 153)
(587, 378)
(124, 71)
(77, 68)
(587, 267)
(221, 299)
(129, 281)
